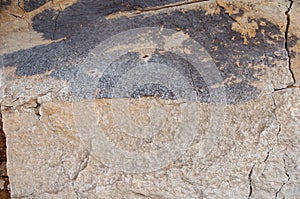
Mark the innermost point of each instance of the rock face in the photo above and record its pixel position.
(173, 99)
(293, 44)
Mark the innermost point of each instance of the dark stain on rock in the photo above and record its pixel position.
(85, 27)
(74, 19)
(127, 62)
(30, 5)
(153, 90)
(293, 54)
(47, 24)
(292, 41)
(86, 13)
(4, 4)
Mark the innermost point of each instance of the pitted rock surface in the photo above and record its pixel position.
(163, 130)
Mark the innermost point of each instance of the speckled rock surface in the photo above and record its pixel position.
(294, 43)
(174, 99)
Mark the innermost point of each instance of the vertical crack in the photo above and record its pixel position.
(267, 156)
(37, 110)
(83, 164)
(283, 184)
(21, 5)
(276, 117)
(4, 193)
(288, 21)
(55, 25)
(250, 181)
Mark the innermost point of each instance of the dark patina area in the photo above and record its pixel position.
(127, 62)
(84, 26)
(30, 5)
(4, 4)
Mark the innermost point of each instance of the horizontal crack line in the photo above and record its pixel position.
(150, 9)
(168, 6)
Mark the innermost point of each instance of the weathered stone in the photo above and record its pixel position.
(294, 41)
(142, 119)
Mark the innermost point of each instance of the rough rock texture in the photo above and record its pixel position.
(3, 178)
(142, 120)
(293, 44)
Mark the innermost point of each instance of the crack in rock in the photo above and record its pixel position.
(140, 194)
(83, 164)
(4, 177)
(283, 184)
(169, 6)
(276, 117)
(138, 10)
(267, 156)
(55, 25)
(287, 13)
(250, 181)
